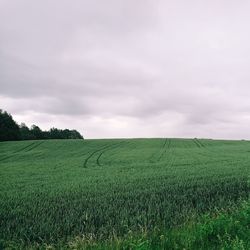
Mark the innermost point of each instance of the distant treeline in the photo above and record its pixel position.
(11, 131)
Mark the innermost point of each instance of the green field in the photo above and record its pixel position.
(118, 192)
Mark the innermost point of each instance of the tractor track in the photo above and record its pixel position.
(207, 151)
(164, 149)
(111, 148)
(198, 143)
(5, 158)
(101, 150)
(169, 151)
(23, 149)
(35, 146)
(171, 157)
(153, 158)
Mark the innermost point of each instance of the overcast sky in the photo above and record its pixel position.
(128, 68)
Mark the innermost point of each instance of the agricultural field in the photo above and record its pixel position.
(122, 193)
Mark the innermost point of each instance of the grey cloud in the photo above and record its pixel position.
(180, 67)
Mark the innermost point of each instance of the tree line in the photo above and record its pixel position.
(11, 131)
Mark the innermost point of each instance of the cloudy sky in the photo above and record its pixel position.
(128, 68)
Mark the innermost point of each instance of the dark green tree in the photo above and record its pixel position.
(36, 132)
(25, 132)
(9, 130)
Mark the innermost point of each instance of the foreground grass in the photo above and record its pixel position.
(53, 191)
(228, 230)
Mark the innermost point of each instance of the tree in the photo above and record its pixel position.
(55, 133)
(25, 132)
(36, 132)
(9, 130)
(74, 134)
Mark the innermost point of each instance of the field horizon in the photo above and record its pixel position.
(138, 138)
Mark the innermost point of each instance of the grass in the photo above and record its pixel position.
(228, 230)
(95, 191)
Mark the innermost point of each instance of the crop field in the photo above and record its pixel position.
(54, 191)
